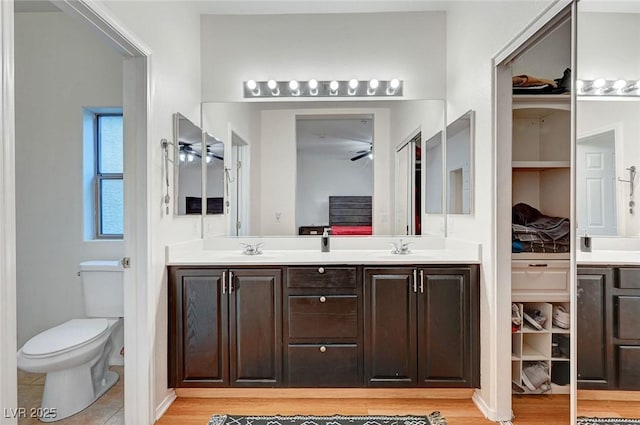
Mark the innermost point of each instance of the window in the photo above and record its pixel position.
(109, 185)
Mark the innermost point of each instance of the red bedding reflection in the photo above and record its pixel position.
(351, 230)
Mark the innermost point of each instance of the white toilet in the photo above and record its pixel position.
(75, 355)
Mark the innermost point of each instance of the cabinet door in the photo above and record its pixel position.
(255, 326)
(593, 324)
(447, 327)
(390, 327)
(198, 335)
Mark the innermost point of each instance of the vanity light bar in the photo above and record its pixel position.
(602, 87)
(315, 88)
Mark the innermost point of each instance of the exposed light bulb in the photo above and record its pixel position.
(579, 85)
(208, 159)
(253, 87)
(333, 86)
(599, 83)
(182, 156)
(619, 84)
(373, 86)
(294, 87)
(393, 86)
(313, 87)
(353, 85)
(370, 156)
(190, 157)
(273, 86)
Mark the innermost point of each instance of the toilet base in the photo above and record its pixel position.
(68, 392)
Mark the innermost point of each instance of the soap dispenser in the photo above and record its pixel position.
(324, 241)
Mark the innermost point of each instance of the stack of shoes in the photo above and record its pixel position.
(561, 317)
(535, 376)
(516, 319)
(535, 318)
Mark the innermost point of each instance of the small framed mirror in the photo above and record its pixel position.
(214, 172)
(188, 166)
(459, 170)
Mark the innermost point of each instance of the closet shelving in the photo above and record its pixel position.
(541, 178)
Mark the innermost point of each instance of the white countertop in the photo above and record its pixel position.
(614, 258)
(288, 251)
(615, 251)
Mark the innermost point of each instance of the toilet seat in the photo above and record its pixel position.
(65, 337)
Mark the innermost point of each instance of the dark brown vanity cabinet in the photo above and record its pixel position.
(421, 326)
(225, 327)
(323, 326)
(608, 328)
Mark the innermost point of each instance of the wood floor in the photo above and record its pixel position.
(548, 410)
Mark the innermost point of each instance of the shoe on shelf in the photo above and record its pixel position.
(561, 317)
(516, 319)
(535, 318)
(535, 376)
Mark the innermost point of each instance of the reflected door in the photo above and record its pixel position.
(237, 176)
(408, 188)
(596, 184)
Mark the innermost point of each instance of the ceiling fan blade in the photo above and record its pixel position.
(362, 155)
(216, 156)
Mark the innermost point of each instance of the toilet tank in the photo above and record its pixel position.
(102, 288)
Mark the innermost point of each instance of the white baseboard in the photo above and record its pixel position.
(161, 409)
(488, 412)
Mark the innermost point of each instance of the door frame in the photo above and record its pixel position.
(139, 324)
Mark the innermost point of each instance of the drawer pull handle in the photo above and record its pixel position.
(321, 270)
(323, 349)
(323, 299)
(538, 265)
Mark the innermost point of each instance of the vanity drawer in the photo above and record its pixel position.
(628, 316)
(540, 275)
(328, 365)
(323, 316)
(321, 277)
(629, 278)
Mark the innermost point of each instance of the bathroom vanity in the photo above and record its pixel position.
(608, 308)
(348, 318)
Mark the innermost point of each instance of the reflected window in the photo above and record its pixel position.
(109, 176)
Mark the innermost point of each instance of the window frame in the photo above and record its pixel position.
(99, 177)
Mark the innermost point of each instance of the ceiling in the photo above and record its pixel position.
(337, 138)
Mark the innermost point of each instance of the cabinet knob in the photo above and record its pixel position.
(323, 299)
(323, 349)
(321, 270)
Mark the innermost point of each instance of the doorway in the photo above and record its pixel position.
(596, 203)
(237, 177)
(138, 379)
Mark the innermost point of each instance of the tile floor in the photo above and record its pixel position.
(107, 410)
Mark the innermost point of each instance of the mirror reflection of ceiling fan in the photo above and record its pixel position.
(187, 152)
(364, 153)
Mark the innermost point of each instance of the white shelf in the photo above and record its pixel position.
(539, 165)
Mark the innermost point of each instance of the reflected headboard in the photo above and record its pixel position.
(350, 211)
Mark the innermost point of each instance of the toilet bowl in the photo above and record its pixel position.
(75, 355)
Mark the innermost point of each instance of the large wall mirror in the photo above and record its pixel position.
(607, 150)
(297, 148)
(459, 171)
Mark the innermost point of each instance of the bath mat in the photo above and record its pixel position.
(434, 418)
(607, 421)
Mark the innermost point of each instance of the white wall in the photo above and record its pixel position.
(60, 67)
(319, 178)
(476, 32)
(171, 31)
(458, 157)
(237, 48)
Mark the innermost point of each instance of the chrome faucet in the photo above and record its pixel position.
(252, 249)
(400, 248)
